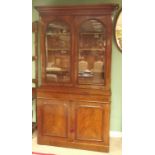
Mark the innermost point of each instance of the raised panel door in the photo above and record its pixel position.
(53, 118)
(89, 122)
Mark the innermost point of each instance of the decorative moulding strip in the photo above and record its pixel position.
(77, 10)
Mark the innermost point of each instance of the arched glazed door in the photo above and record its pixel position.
(91, 52)
(58, 51)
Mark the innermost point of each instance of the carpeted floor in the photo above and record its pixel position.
(115, 149)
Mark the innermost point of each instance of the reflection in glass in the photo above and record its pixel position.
(58, 52)
(92, 46)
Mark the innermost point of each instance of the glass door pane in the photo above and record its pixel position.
(58, 52)
(92, 45)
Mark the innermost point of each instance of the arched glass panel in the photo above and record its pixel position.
(92, 45)
(58, 52)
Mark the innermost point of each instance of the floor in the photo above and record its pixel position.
(115, 148)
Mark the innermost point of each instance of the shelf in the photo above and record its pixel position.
(56, 49)
(57, 34)
(58, 72)
(92, 33)
(91, 49)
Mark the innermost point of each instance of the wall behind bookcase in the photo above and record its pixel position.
(116, 76)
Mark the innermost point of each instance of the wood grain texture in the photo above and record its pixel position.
(55, 119)
(89, 122)
(71, 114)
(101, 9)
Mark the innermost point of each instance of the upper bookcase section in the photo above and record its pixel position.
(76, 45)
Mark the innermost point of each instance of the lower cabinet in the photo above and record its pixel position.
(78, 124)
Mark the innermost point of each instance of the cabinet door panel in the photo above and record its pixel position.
(57, 50)
(54, 118)
(89, 122)
(91, 50)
